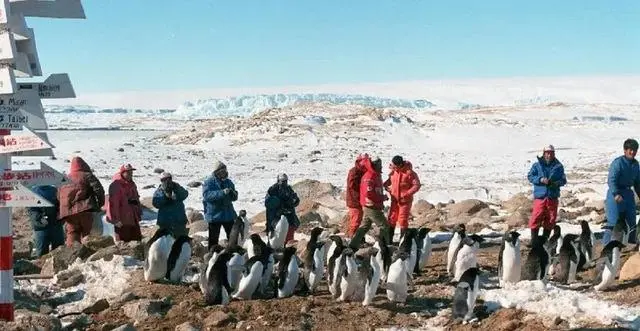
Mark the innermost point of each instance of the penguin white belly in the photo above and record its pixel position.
(157, 258)
(411, 261)
(249, 283)
(234, 270)
(268, 273)
(511, 264)
(248, 247)
(348, 283)
(334, 286)
(426, 253)
(573, 266)
(466, 259)
(380, 261)
(279, 233)
(371, 286)
(608, 277)
(176, 274)
(453, 245)
(290, 282)
(329, 252)
(316, 275)
(397, 282)
(225, 297)
(559, 245)
(471, 299)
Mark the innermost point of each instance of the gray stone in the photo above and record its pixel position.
(194, 215)
(186, 326)
(62, 257)
(35, 321)
(126, 297)
(142, 309)
(25, 267)
(125, 327)
(68, 278)
(194, 184)
(217, 319)
(97, 307)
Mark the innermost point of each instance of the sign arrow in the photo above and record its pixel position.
(48, 8)
(46, 175)
(23, 109)
(23, 142)
(22, 197)
(56, 86)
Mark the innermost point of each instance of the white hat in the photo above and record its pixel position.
(217, 165)
(549, 148)
(165, 175)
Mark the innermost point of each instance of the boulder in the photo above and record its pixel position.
(311, 218)
(62, 257)
(218, 319)
(518, 201)
(313, 189)
(198, 226)
(68, 278)
(518, 219)
(142, 309)
(28, 320)
(96, 243)
(194, 215)
(466, 207)
(421, 207)
(22, 249)
(194, 184)
(186, 326)
(106, 254)
(631, 268)
(25, 267)
(97, 307)
(125, 327)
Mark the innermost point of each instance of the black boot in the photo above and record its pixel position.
(402, 232)
(534, 235)
(390, 233)
(546, 233)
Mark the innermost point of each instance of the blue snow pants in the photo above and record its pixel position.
(613, 211)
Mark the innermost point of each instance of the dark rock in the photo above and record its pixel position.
(466, 207)
(97, 307)
(126, 297)
(62, 257)
(158, 170)
(24, 267)
(96, 243)
(150, 186)
(194, 184)
(68, 278)
(120, 149)
(128, 144)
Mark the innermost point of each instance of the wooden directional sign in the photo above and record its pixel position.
(22, 197)
(56, 86)
(23, 142)
(46, 175)
(48, 8)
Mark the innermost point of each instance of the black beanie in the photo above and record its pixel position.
(397, 160)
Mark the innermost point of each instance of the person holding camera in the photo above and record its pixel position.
(218, 195)
(168, 199)
(124, 210)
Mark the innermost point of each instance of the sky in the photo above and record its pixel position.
(159, 45)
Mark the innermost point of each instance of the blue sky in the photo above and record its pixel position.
(128, 45)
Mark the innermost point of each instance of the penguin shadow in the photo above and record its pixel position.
(414, 304)
(625, 285)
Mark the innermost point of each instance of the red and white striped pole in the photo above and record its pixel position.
(6, 248)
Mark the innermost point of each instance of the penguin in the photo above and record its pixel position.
(251, 278)
(246, 228)
(254, 245)
(565, 271)
(555, 241)
(465, 256)
(358, 238)
(509, 259)
(211, 256)
(587, 242)
(346, 274)
(621, 230)
(333, 265)
(371, 273)
(178, 258)
(235, 266)
(213, 282)
(465, 295)
(237, 232)
(313, 270)
(408, 245)
(288, 273)
(157, 252)
(536, 265)
(278, 236)
(268, 261)
(458, 235)
(383, 257)
(608, 266)
(334, 241)
(424, 249)
(396, 284)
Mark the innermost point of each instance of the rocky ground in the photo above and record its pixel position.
(156, 306)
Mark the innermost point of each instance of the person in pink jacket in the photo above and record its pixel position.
(124, 210)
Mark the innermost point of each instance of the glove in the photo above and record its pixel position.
(44, 220)
(226, 191)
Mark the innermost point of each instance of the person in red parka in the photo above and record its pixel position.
(79, 200)
(402, 184)
(353, 195)
(124, 210)
(372, 197)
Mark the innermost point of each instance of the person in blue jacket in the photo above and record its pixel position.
(218, 195)
(48, 232)
(280, 200)
(547, 176)
(169, 200)
(624, 173)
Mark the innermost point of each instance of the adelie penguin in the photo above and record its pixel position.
(313, 260)
(396, 285)
(465, 256)
(465, 295)
(214, 283)
(288, 273)
(408, 245)
(236, 240)
(251, 278)
(278, 236)
(608, 266)
(586, 246)
(166, 257)
(509, 259)
(458, 235)
(371, 273)
(239, 230)
(178, 258)
(383, 257)
(567, 266)
(346, 274)
(555, 241)
(333, 265)
(424, 248)
(536, 265)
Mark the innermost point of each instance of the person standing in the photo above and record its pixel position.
(620, 204)
(372, 197)
(353, 195)
(47, 229)
(79, 200)
(169, 200)
(547, 176)
(281, 200)
(402, 185)
(218, 195)
(124, 210)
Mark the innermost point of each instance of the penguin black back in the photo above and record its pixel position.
(217, 280)
(358, 238)
(537, 261)
(176, 249)
(236, 231)
(567, 256)
(553, 241)
(312, 246)
(408, 240)
(586, 246)
(385, 252)
(288, 254)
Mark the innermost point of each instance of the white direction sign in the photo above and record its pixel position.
(23, 142)
(46, 175)
(56, 86)
(22, 109)
(22, 197)
(48, 8)
(46, 152)
(7, 80)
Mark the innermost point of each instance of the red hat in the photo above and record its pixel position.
(126, 167)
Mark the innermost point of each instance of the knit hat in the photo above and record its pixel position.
(126, 167)
(397, 160)
(217, 165)
(165, 175)
(283, 177)
(549, 148)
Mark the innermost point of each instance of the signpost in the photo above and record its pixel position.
(21, 108)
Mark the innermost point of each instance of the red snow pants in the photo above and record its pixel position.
(544, 214)
(355, 219)
(399, 214)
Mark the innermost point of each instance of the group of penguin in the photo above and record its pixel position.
(249, 265)
(558, 257)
